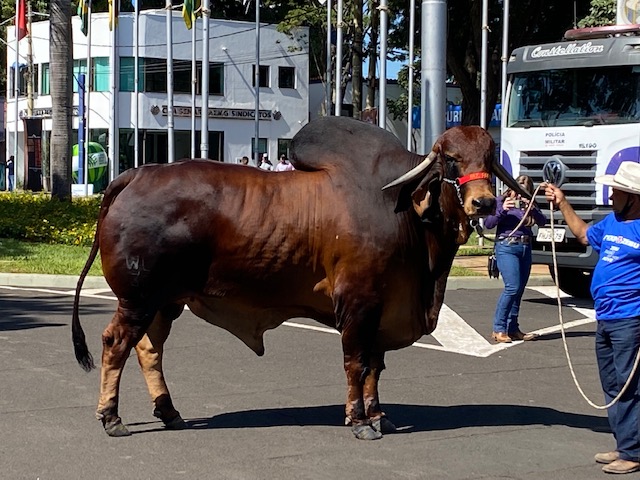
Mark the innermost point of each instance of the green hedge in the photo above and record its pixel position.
(37, 217)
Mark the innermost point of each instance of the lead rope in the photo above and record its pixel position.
(564, 338)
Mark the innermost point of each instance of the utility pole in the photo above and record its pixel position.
(29, 63)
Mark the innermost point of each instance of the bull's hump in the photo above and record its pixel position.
(330, 142)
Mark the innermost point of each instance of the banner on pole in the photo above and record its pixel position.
(21, 19)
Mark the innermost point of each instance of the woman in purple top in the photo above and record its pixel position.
(513, 253)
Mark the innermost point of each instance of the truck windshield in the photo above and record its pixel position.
(575, 97)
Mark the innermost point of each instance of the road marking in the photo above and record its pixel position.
(453, 334)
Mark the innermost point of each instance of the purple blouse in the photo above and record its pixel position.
(505, 221)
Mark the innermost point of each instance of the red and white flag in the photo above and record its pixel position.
(21, 19)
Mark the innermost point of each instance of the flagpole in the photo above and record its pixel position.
(113, 158)
(170, 144)
(136, 60)
(194, 81)
(16, 85)
(328, 89)
(339, 60)
(204, 122)
(257, 86)
(87, 137)
(412, 31)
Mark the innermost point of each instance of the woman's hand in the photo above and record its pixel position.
(509, 203)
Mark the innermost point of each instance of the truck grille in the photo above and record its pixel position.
(579, 185)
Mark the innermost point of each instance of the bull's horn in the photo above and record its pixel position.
(506, 177)
(413, 173)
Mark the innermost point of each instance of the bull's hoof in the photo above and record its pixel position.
(116, 429)
(366, 432)
(177, 423)
(383, 425)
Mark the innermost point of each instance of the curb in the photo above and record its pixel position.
(70, 281)
(50, 281)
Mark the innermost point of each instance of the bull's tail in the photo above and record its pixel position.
(84, 357)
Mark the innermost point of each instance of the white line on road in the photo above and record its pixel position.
(453, 333)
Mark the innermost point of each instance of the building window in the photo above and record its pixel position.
(284, 144)
(101, 74)
(127, 78)
(155, 75)
(79, 67)
(264, 76)
(45, 79)
(182, 76)
(286, 77)
(262, 148)
(216, 79)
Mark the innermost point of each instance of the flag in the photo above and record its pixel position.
(191, 9)
(83, 13)
(21, 19)
(114, 6)
(187, 13)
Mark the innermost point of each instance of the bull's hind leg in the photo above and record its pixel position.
(379, 421)
(150, 352)
(125, 330)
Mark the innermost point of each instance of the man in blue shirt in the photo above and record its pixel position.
(615, 288)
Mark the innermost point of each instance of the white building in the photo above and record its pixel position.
(284, 95)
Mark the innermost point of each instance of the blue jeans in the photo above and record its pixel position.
(617, 343)
(514, 263)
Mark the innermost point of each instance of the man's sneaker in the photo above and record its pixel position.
(621, 466)
(607, 457)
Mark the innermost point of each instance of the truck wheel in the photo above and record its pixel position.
(573, 281)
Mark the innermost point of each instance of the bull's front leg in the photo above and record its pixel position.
(373, 410)
(120, 336)
(357, 339)
(150, 351)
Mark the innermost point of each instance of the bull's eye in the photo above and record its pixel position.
(450, 159)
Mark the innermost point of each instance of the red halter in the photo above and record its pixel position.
(474, 176)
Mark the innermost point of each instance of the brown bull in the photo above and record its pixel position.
(371, 263)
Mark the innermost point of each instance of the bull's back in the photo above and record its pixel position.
(212, 228)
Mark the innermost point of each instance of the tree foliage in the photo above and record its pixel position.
(602, 12)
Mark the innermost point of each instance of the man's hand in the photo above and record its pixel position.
(553, 194)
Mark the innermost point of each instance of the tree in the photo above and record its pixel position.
(602, 12)
(61, 67)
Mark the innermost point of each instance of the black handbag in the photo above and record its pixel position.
(492, 266)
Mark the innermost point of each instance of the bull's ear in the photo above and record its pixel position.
(404, 198)
(425, 196)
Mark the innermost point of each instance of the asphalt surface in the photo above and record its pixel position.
(465, 408)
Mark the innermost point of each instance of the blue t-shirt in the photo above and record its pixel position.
(615, 286)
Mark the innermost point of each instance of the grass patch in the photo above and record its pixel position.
(463, 272)
(24, 257)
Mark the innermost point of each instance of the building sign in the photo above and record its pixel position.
(454, 116)
(229, 113)
(46, 113)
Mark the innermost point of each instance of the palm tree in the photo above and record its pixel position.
(61, 65)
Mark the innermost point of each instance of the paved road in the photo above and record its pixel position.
(466, 409)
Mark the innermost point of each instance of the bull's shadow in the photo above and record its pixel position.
(408, 418)
(35, 312)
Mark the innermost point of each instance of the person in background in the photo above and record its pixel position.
(244, 161)
(615, 288)
(265, 164)
(513, 253)
(283, 165)
(11, 172)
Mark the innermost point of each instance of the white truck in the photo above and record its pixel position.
(577, 102)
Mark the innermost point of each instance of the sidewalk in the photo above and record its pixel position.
(478, 264)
